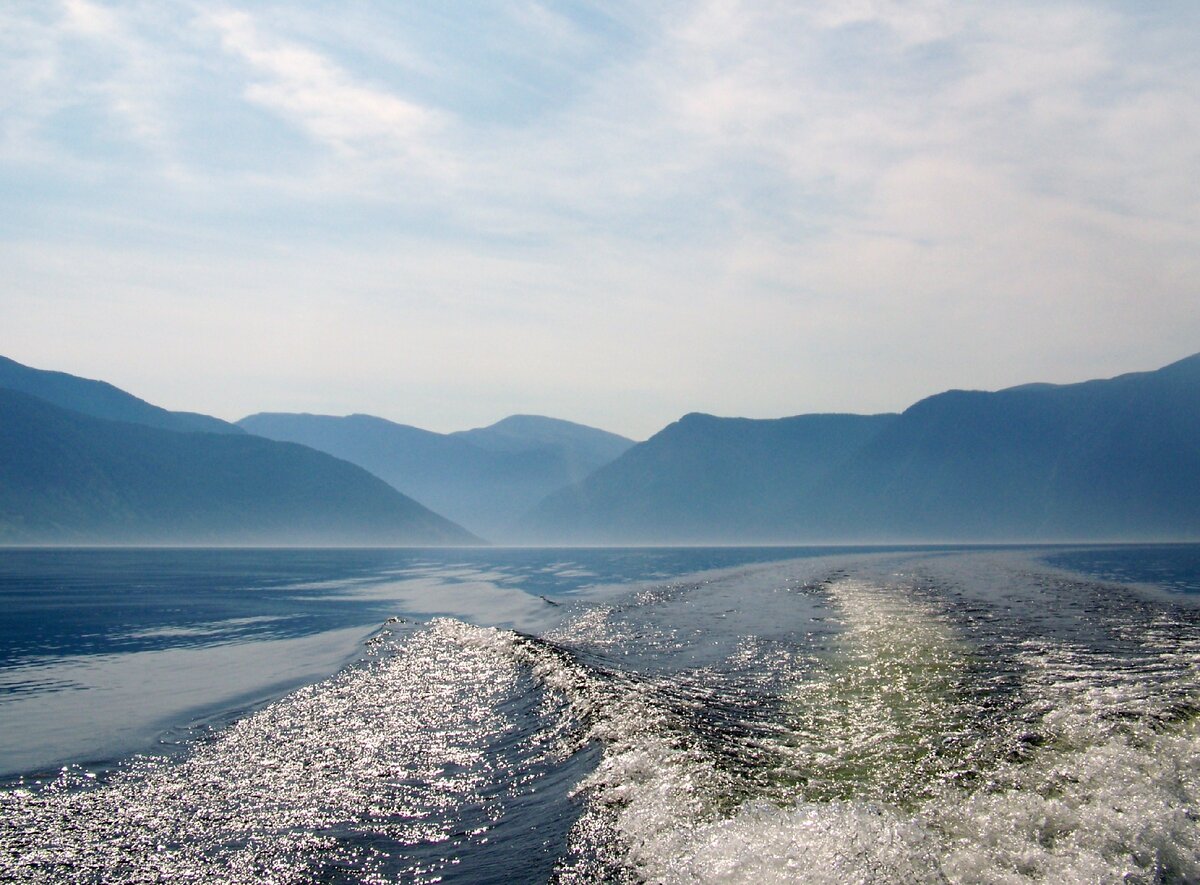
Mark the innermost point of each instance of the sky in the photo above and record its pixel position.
(613, 213)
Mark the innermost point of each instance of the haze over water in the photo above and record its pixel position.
(583, 715)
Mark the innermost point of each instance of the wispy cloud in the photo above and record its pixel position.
(319, 96)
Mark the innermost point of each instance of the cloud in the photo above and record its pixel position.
(88, 18)
(316, 94)
(86, 90)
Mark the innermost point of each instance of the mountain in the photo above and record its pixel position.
(101, 400)
(67, 477)
(705, 479)
(483, 479)
(1106, 459)
(584, 447)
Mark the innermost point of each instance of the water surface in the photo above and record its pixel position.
(833, 716)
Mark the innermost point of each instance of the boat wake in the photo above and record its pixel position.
(873, 723)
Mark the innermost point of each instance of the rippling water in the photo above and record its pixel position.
(671, 716)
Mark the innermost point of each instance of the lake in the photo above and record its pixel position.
(688, 714)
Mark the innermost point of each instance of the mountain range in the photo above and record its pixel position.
(109, 471)
(484, 479)
(1118, 459)
(1115, 459)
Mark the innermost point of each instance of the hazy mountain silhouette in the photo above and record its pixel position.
(66, 477)
(483, 479)
(1116, 458)
(101, 400)
(84, 462)
(705, 479)
(1109, 459)
(585, 447)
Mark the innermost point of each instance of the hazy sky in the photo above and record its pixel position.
(616, 213)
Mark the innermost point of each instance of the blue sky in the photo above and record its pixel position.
(613, 213)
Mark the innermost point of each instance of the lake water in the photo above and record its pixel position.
(497, 715)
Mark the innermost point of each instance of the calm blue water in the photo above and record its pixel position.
(664, 715)
(1173, 567)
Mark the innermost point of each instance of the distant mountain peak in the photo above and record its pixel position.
(483, 479)
(527, 420)
(543, 425)
(581, 447)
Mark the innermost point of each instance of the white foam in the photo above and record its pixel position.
(1106, 799)
(1095, 803)
(833, 842)
(666, 807)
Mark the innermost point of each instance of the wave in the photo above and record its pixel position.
(393, 768)
(899, 768)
